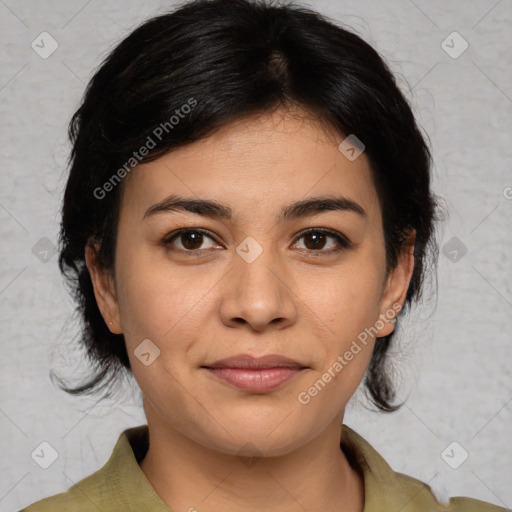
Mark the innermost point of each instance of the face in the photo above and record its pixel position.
(256, 277)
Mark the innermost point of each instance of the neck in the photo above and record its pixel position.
(188, 476)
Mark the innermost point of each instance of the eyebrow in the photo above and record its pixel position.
(299, 209)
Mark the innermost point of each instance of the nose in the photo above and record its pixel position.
(258, 295)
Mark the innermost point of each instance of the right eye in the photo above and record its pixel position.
(190, 239)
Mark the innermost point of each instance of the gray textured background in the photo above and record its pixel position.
(455, 358)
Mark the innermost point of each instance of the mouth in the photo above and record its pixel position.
(255, 375)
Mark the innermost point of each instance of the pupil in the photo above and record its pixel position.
(318, 239)
(194, 238)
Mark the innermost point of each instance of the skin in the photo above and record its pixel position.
(292, 300)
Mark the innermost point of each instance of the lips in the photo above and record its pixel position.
(256, 375)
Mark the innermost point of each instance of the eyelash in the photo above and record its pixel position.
(343, 242)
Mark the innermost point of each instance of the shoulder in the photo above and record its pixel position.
(119, 486)
(413, 495)
(386, 489)
(422, 498)
(95, 492)
(67, 501)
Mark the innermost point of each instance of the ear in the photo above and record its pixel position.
(104, 290)
(397, 284)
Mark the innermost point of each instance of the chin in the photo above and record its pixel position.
(264, 433)
(258, 445)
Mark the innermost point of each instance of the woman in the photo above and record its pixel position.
(247, 215)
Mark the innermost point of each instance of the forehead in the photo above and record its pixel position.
(257, 163)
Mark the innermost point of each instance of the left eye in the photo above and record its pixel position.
(315, 240)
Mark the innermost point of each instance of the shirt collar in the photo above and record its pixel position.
(383, 489)
(123, 467)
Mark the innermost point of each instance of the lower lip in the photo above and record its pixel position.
(255, 381)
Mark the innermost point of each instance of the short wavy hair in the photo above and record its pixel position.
(236, 58)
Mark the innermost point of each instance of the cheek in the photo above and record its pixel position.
(345, 308)
(346, 301)
(169, 312)
(156, 302)
(345, 353)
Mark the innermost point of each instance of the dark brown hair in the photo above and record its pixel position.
(229, 59)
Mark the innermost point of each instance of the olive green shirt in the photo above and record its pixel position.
(121, 486)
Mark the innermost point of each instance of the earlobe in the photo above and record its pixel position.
(104, 290)
(396, 287)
